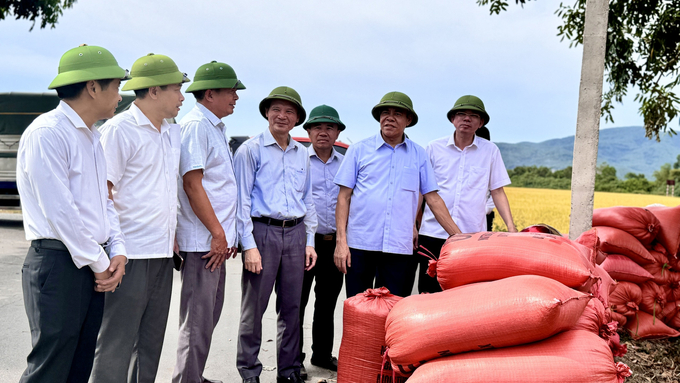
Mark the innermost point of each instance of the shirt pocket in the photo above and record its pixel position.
(297, 178)
(410, 179)
(478, 178)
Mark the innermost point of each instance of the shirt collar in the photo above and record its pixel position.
(312, 153)
(209, 115)
(380, 141)
(142, 120)
(269, 139)
(71, 115)
(452, 142)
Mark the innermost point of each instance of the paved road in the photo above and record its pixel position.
(15, 338)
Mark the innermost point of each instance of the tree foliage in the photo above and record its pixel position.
(643, 41)
(47, 11)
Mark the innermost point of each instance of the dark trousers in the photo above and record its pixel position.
(489, 221)
(326, 292)
(135, 317)
(200, 307)
(373, 269)
(64, 314)
(427, 284)
(283, 266)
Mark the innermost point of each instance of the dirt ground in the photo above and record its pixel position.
(656, 360)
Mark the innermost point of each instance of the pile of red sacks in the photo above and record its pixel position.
(526, 307)
(639, 249)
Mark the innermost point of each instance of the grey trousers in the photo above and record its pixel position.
(135, 316)
(283, 266)
(64, 313)
(200, 307)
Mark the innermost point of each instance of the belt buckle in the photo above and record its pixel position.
(283, 223)
(328, 237)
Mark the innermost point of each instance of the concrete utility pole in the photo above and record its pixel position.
(588, 120)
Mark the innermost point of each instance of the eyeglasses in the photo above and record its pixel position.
(472, 116)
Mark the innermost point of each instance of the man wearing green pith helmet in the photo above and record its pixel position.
(380, 181)
(206, 224)
(142, 157)
(276, 222)
(72, 225)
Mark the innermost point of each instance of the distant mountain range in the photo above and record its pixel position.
(627, 149)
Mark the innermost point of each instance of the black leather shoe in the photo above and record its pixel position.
(254, 379)
(329, 363)
(293, 378)
(303, 372)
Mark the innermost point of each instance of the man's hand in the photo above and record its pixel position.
(310, 257)
(219, 252)
(252, 260)
(110, 279)
(232, 252)
(415, 237)
(341, 257)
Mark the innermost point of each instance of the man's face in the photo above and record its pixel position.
(224, 101)
(393, 122)
(109, 98)
(282, 116)
(323, 135)
(467, 121)
(170, 100)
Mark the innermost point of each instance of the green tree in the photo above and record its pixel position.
(643, 41)
(676, 165)
(48, 11)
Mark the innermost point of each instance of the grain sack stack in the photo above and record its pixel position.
(641, 249)
(516, 307)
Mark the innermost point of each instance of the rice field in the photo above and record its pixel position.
(552, 207)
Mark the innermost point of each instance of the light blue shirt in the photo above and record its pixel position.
(386, 182)
(273, 183)
(324, 190)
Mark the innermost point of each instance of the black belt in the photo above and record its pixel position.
(52, 244)
(324, 237)
(278, 222)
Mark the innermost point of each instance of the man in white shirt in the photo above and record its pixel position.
(142, 155)
(72, 226)
(466, 167)
(206, 224)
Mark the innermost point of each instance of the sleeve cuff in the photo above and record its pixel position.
(101, 264)
(310, 240)
(117, 249)
(248, 242)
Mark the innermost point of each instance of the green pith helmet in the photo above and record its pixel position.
(324, 113)
(85, 63)
(469, 103)
(215, 75)
(154, 70)
(395, 100)
(287, 94)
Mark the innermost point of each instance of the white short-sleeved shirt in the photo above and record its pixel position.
(205, 146)
(464, 178)
(62, 183)
(143, 166)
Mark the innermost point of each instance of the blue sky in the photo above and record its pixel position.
(346, 54)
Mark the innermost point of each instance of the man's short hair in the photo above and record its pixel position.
(200, 94)
(72, 91)
(141, 93)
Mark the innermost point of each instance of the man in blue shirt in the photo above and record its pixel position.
(275, 197)
(323, 128)
(380, 181)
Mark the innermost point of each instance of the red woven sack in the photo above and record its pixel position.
(645, 326)
(671, 314)
(625, 300)
(596, 320)
(619, 318)
(615, 241)
(605, 286)
(572, 356)
(659, 272)
(672, 289)
(615, 345)
(363, 337)
(653, 299)
(638, 222)
(622, 268)
(591, 243)
(659, 256)
(479, 257)
(501, 313)
(669, 235)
